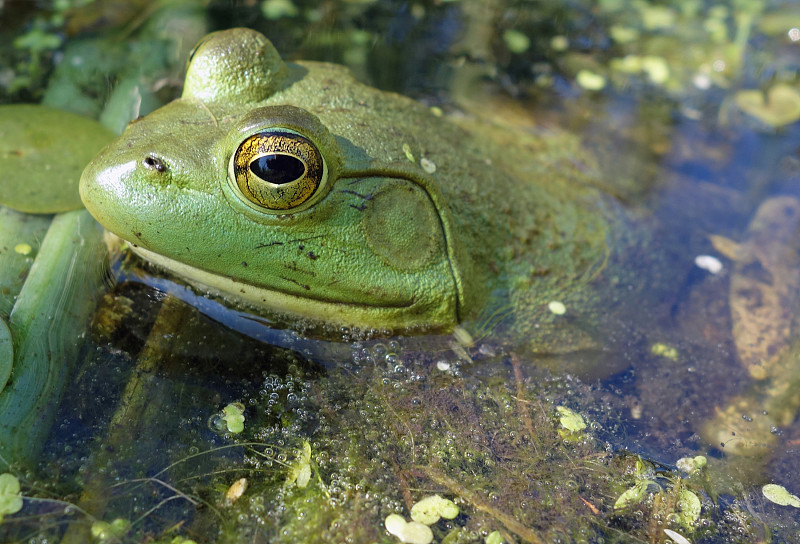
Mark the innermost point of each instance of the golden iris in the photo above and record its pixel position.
(278, 169)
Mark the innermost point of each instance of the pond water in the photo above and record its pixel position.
(655, 413)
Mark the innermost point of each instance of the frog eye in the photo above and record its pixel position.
(278, 169)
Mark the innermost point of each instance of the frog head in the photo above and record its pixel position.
(290, 186)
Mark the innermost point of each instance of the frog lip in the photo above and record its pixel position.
(384, 315)
(248, 291)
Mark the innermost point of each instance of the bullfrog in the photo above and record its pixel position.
(293, 187)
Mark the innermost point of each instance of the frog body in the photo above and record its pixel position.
(379, 214)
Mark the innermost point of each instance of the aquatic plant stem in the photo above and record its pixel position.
(129, 420)
(519, 381)
(52, 310)
(527, 534)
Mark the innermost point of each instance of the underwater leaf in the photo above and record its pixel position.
(633, 495)
(182, 540)
(10, 497)
(300, 471)
(104, 531)
(235, 491)
(664, 350)
(779, 495)
(689, 505)
(590, 80)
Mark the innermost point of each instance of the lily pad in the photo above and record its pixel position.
(42, 154)
(781, 106)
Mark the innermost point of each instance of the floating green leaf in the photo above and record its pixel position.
(779, 495)
(233, 416)
(10, 497)
(410, 532)
(495, 538)
(571, 421)
(41, 167)
(780, 106)
(430, 509)
(590, 80)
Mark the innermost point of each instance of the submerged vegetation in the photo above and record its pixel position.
(168, 440)
(478, 450)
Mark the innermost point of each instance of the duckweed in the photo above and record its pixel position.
(10, 496)
(779, 495)
(494, 538)
(571, 421)
(691, 465)
(110, 532)
(409, 532)
(556, 307)
(23, 249)
(664, 350)
(233, 416)
(589, 80)
(778, 107)
(430, 509)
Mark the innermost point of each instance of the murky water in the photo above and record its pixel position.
(344, 427)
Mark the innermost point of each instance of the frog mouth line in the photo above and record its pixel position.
(383, 315)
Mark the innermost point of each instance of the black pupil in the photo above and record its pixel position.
(278, 169)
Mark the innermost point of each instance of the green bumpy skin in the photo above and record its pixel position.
(384, 241)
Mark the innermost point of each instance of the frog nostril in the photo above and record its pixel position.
(154, 163)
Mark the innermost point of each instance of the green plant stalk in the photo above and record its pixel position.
(17, 228)
(50, 315)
